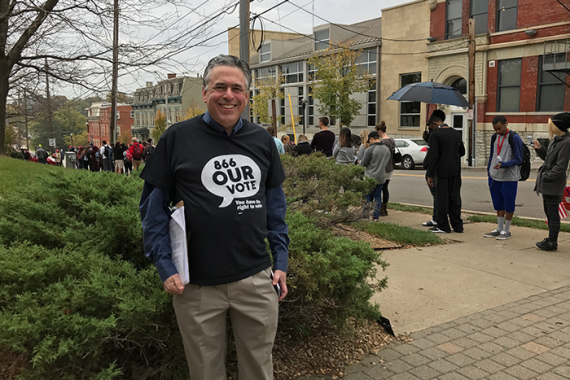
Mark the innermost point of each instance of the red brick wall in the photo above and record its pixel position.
(437, 21)
(540, 12)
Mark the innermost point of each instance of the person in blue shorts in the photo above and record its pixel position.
(504, 172)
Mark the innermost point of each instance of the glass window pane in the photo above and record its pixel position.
(371, 108)
(509, 99)
(481, 23)
(265, 48)
(551, 97)
(372, 96)
(321, 45)
(300, 76)
(322, 35)
(300, 90)
(507, 3)
(410, 107)
(510, 72)
(372, 68)
(454, 28)
(453, 9)
(372, 55)
(507, 19)
(311, 120)
(479, 6)
(371, 120)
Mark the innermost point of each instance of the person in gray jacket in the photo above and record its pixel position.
(551, 179)
(344, 150)
(375, 159)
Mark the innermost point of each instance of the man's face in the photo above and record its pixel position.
(226, 95)
(500, 128)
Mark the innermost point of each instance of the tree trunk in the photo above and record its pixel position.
(4, 76)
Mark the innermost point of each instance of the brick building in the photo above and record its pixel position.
(521, 54)
(98, 119)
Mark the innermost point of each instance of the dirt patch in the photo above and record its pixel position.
(355, 234)
(10, 364)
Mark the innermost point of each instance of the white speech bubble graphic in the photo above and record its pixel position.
(231, 176)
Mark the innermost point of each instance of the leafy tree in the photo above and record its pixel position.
(121, 98)
(159, 125)
(81, 139)
(10, 137)
(336, 79)
(268, 88)
(66, 120)
(125, 137)
(193, 110)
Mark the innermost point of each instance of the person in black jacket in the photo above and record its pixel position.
(445, 151)
(302, 147)
(551, 179)
(432, 126)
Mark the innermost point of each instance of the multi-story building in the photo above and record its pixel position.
(288, 58)
(99, 118)
(521, 62)
(175, 97)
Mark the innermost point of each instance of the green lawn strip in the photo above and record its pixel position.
(399, 234)
(401, 207)
(16, 174)
(520, 222)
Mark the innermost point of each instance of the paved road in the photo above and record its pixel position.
(409, 186)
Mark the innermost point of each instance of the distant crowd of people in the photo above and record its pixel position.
(120, 158)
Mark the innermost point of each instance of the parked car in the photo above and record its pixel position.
(413, 152)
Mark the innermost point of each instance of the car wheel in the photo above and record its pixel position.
(408, 162)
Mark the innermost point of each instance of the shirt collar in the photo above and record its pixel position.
(214, 124)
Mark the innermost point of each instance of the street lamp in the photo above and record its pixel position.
(304, 103)
(71, 135)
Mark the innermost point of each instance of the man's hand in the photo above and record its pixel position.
(430, 181)
(497, 166)
(174, 285)
(281, 278)
(536, 145)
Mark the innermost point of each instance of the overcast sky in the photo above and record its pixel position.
(288, 15)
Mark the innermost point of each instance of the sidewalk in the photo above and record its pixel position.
(476, 308)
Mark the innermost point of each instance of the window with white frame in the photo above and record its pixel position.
(265, 72)
(506, 15)
(311, 72)
(132, 114)
(322, 39)
(410, 111)
(366, 62)
(453, 18)
(371, 105)
(292, 72)
(551, 88)
(311, 110)
(282, 108)
(300, 106)
(509, 84)
(265, 52)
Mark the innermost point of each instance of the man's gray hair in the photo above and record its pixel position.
(227, 60)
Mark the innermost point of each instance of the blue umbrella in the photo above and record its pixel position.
(430, 92)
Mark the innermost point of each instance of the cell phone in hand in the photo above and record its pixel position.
(276, 286)
(530, 141)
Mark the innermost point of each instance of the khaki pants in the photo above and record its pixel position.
(136, 164)
(201, 312)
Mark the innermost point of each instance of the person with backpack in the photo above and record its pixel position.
(118, 151)
(391, 144)
(128, 158)
(504, 171)
(87, 158)
(552, 177)
(148, 150)
(106, 157)
(136, 150)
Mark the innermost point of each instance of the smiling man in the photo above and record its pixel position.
(229, 175)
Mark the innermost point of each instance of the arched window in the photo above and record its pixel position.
(461, 85)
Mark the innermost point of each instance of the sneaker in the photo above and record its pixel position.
(504, 235)
(493, 234)
(431, 223)
(375, 219)
(547, 245)
(436, 230)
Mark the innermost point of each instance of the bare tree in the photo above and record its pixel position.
(75, 37)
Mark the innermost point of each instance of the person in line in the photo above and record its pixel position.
(95, 158)
(375, 159)
(324, 140)
(58, 157)
(303, 147)
(148, 150)
(363, 146)
(118, 151)
(551, 178)
(87, 157)
(217, 164)
(391, 144)
(344, 152)
(446, 149)
(504, 173)
(278, 142)
(128, 159)
(426, 135)
(80, 161)
(41, 154)
(106, 157)
(136, 150)
(286, 145)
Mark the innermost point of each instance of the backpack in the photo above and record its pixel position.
(525, 165)
(150, 151)
(397, 156)
(109, 153)
(137, 152)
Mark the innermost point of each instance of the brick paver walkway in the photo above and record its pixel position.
(526, 339)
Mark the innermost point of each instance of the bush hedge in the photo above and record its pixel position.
(78, 297)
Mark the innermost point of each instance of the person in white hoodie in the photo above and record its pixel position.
(375, 159)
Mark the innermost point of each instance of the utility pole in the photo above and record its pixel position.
(273, 117)
(471, 138)
(244, 42)
(113, 117)
(49, 115)
(26, 120)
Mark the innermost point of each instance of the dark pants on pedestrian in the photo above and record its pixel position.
(106, 165)
(432, 191)
(376, 197)
(385, 193)
(448, 198)
(551, 203)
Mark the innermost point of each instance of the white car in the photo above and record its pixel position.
(413, 152)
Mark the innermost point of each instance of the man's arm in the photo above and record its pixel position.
(155, 217)
(433, 154)
(314, 141)
(278, 236)
(367, 157)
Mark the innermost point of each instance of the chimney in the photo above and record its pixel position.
(149, 84)
(171, 76)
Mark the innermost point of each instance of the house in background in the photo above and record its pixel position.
(99, 118)
(173, 97)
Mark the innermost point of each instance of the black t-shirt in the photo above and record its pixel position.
(222, 180)
(323, 141)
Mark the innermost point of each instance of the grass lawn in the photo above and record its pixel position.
(400, 234)
(401, 207)
(16, 174)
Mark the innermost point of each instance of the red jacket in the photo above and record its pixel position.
(132, 150)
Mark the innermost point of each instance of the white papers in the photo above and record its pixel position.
(179, 244)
